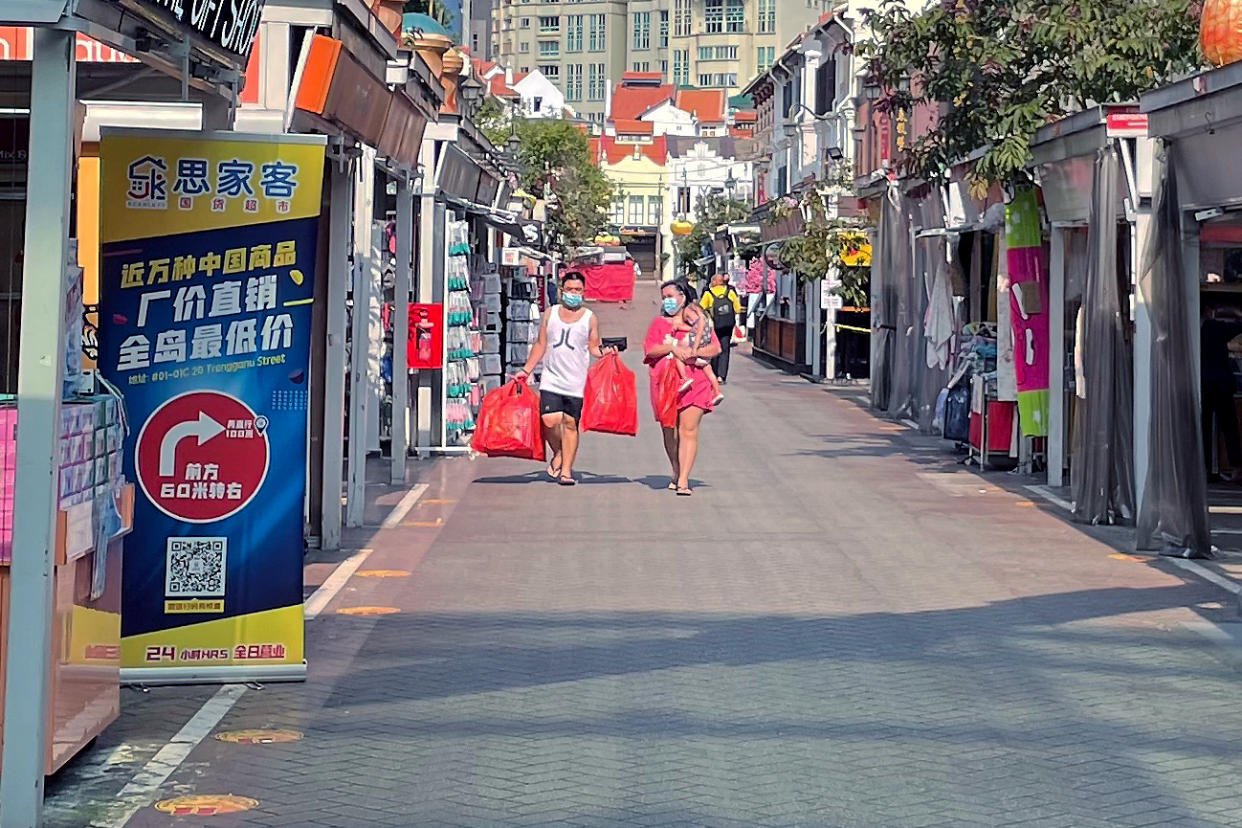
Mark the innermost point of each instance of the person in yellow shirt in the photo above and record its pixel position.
(724, 308)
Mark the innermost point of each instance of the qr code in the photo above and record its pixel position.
(195, 567)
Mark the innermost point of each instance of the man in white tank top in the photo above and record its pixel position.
(568, 338)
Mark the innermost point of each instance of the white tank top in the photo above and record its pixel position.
(568, 357)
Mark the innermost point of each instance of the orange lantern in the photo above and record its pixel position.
(1220, 31)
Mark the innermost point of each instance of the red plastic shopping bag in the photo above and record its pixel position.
(611, 403)
(668, 394)
(508, 423)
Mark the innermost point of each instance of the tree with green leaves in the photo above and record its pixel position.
(1000, 70)
(494, 119)
(714, 210)
(556, 154)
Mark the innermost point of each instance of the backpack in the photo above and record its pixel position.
(723, 315)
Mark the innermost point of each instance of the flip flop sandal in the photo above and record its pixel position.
(567, 481)
(672, 486)
(554, 472)
(686, 492)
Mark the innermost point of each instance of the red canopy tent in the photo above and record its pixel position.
(609, 276)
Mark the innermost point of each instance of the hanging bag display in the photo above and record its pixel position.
(508, 423)
(611, 399)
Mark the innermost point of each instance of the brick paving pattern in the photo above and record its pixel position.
(841, 628)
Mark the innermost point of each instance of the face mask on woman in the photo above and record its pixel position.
(672, 304)
(573, 301)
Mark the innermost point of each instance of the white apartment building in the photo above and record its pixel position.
(585, 45)
(577, 45)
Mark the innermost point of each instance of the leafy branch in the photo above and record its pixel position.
(998, 71)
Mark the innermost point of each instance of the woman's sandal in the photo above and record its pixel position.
(684, 491)
(567, 481)
(554, 472)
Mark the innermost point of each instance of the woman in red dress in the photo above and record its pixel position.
(668, 338)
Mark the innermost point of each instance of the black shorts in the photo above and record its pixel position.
(551, 402)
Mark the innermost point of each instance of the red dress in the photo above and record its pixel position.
(698, 395)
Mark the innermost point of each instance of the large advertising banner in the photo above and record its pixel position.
(1028, 309)
(208, 245)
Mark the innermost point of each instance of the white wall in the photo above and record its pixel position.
(536, 86)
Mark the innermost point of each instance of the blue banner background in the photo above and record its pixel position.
(265, 544)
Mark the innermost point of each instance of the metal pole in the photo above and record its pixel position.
(40, 373)
(426, 292)
(334, 361)
(1056, 364)
(359, 387)
(401, 330)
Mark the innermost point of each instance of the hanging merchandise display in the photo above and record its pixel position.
(462, 341)
(1028, 309)
(207, 279)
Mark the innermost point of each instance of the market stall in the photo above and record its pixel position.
(1094, 172)
(1190, 265)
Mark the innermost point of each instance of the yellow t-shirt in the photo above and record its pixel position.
(709, 297)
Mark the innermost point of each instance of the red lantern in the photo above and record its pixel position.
(1220, 31)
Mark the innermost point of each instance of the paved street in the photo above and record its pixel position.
(841, 628)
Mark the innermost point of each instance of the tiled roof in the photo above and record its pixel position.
(642, 76)
(629, 103)
(745, 117)
(501, 89)
(606, 148)
(708, 105)
(631, 127)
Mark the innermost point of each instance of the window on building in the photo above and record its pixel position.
(618, 211)
(787, 102)
(549, 48)
(549, 24)
(599, 82)
(573, 33)
(636, 210)
(716, 79)
(525, 22)
(642, 30)
(683, 200)
(664, 69)
(713, 16)
(551, 71)
(766, 57)
(681, 67)
(735, 16)
(654, 208)
(717, 53)
(640, 66)
(599, 32)
(664, 29)
(573, 81)
(767, 17)
(524, 47)
(782, 181)
(825, 87)
(682, 17)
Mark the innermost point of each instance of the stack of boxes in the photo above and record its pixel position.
(90, 457)
(492, 368)
(522, 324)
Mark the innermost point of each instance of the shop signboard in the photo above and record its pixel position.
(207, 274)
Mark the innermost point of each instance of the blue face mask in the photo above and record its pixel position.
(671, 305)
(573, 301)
